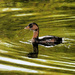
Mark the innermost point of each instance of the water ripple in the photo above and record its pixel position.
(69, 64)
(33, 64)
(10, 68)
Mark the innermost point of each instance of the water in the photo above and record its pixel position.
(15, 41)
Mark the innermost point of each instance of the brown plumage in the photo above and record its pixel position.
(46, 40)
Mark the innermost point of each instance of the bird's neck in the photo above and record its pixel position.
(35, 34)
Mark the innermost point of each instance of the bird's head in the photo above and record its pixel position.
(32, 26)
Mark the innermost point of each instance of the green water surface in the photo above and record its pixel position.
(57, 20)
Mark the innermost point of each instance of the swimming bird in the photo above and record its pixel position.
(46, 40)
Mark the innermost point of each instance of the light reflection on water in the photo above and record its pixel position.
(3, 51)
(26, 14)
(35, 64)
(19, 69)
(54, 62)
(12, 68)
(11, 9)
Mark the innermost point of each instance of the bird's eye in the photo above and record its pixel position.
(30, 25)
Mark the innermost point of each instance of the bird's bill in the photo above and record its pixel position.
(27, 27)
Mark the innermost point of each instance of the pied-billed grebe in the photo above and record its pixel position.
(46, 40)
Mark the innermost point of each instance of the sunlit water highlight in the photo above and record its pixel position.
(11, 9)
(3, 51)
(26, 14)
(12, 68)
(34, 64)
(54, 61)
